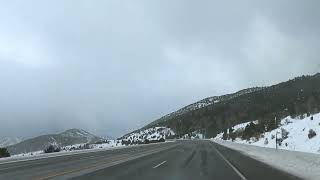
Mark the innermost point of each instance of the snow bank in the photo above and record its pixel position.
(303, 165)
(297, 139)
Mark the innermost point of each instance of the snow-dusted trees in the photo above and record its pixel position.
(51, 149)
(252, 130)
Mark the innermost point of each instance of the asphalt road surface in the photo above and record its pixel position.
(181, 160)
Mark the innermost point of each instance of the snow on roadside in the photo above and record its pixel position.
(102, 145)
(300, 164)
(296, 140)
(73, 148)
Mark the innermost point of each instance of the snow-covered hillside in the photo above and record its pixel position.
(8, 141)
(151, 134)
(68, 137)
(79, 133)
(296, 135)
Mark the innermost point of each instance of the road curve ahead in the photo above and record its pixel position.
(181, 160)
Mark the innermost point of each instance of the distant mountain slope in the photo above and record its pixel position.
(204, 103)
(8, 141)
(214, 114)
(69, 137)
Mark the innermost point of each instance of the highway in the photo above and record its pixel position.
(180, 160)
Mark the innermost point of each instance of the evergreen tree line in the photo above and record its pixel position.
(292, 98)
(4, 153)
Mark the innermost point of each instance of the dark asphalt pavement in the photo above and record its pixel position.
(181, 160)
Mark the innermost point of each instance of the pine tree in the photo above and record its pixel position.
(4, 152)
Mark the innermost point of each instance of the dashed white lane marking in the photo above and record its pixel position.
(159, 164)
(232, 166)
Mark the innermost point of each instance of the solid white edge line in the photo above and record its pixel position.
(232, 166)
(159, 164)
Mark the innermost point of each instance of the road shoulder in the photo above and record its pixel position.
(302, 165)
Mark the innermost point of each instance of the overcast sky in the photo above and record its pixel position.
(112, 66)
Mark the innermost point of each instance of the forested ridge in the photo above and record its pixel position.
(295, 97)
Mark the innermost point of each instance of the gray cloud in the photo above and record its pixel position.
(113, 66)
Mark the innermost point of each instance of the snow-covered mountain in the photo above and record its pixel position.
(293, 134)
(69, 137)
(150, 134)
(8, 141)
(79, 133)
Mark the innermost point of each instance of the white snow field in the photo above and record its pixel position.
(297, 139)
(300, 164)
